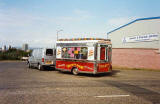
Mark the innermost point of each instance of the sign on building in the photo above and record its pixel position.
(141, 38)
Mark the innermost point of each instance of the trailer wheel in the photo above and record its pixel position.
(75, 71)
(40, 67)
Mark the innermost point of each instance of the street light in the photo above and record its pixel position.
(58, 32)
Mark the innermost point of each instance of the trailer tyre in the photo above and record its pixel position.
(75, 71)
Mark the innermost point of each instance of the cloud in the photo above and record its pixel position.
(83, 14)
(77, 15)
(74, 24)
(18, 27)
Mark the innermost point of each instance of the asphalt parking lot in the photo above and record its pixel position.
(21, 85)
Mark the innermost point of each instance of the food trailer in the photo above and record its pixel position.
(84, 55)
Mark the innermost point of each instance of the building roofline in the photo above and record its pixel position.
(139, 19)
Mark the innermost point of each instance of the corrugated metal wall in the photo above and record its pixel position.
(138, 28)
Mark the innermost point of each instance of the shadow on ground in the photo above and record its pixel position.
(112, 74)
(49, 69)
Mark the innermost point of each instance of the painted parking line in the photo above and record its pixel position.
(113, 96)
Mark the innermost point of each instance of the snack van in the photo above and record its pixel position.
(86, 55)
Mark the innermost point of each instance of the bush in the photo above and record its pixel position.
(13, 54)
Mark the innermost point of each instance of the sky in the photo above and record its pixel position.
(36, 22)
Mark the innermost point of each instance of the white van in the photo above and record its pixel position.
(42, 57)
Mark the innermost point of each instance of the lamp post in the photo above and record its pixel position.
(58, 32)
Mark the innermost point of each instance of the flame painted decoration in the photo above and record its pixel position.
(76, 65)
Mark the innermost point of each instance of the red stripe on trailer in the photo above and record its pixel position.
(68, 65)
(103, 67)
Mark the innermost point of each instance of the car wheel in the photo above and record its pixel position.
(29, 65)
(75, 71)
(40, 67)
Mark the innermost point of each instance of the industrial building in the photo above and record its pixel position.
(25, 47)
(137, 44)
(4, 48)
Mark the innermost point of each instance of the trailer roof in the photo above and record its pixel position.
(84, 40)
(80, 39)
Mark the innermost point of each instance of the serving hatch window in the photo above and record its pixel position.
(75, 52)
(49, 52)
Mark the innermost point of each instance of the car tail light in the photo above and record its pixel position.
(42, 59)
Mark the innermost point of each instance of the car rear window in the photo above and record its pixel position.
(49, 52)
